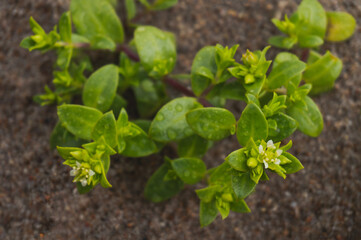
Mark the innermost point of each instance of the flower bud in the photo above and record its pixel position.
(249, 79)
(249, 58)
(252, 162)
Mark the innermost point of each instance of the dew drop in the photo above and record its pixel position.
(171, 134)
(179, 107)
(160, 117)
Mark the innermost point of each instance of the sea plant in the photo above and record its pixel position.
(93, 104)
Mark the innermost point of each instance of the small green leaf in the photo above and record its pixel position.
(341, 26)
(156, 49)
(252, 124)
(79, 120)
(207, 212)
(139, 145)
(106, 127)
(118, 103)
(65, 27)
(94, 17)
(240, 206)
(102, 42)
(308, 116)
(323, 73)
(283, 72)
(282, 42)
(100, 89)
(293, 166)
(285, 127)
(62, 137)
(233, 90)
(131, 9)
(243, 185)
(238, 160)
(207, 194)
(205, 58)
(193, 146)
(64, 152)
(163, 4)
(211, 123)
(190, 170)
(220, 174)
(157, 189)
(309, 41)
(170, 122)
(310, 19)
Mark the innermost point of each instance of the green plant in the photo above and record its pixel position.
(277, 104)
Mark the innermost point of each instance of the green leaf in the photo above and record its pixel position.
(252, 124)
(221, 174)
(139, 145)
(207, 194)
(170, 122)
(205, 58)
(233, 90)
(309, 41)
(240, 206)
(243, 185)
(293, 166)
(283, 72)
(283, 57)
(62, 137)
(308, 116)
(310, 19)
(118, 103)
(102, 42)
(163, 4)
(100, 89)
(106, 127)
(65, 27)
(64, 152)
(156, 49)
(150, 96)
(323, 73)
(193, 146)
(207, 212)
(341, 26)
(282, 42)
(64, 58)
(211, 123)
(79, 120)
(238, 160)
(157, 189)
(94, 17)
(285, 127)
(105, 164)
(131, 9)
(190, 170)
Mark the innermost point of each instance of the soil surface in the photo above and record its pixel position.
(38, 199)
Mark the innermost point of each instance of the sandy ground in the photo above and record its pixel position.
(39, 201)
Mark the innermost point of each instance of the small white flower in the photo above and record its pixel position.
(277, 161)
(73, 172)
(83, 182)
(265, 164)
(78, 164)
(260, 149)
(91, 173)
(270, 144)
(279, 152)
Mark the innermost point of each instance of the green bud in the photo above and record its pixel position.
(252, 162)
(37, 38)
(249, 58)
(227, 197)
(98, 169)
(78, 155)
(249, 79)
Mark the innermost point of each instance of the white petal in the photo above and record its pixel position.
(265, 164)
(78, 164)
(91, 173)
(260, 149)
(73, 172)
(277, 161)
(83, 182)
(270, 144)
(279, 152)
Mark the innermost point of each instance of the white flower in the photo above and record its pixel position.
(73, 172)
(277, 161)
(278, 152)
(260, 149)
(83, 182)
(265, 164)
(91, 173)
(270, 144)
